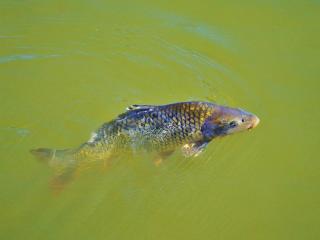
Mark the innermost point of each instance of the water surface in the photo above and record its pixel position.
(67, 67)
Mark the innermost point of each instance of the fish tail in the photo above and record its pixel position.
(63, 163)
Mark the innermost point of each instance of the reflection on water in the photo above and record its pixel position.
(67, 67)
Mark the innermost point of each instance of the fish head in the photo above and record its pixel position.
(226, 120)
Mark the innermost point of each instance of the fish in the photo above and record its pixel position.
(161, 129)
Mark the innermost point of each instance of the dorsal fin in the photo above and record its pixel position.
(136, 106)
(135, 109)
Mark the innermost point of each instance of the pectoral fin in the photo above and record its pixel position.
(193, 149)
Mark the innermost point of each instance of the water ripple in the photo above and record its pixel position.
(25, 57)
(201, 29)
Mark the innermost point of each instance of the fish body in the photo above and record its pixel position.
(167, 127)
(153, 128)
(189, 126)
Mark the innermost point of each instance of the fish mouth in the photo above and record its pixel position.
(254, 122)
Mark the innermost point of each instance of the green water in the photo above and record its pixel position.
(67, 67)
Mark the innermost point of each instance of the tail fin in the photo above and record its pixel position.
(63, 163)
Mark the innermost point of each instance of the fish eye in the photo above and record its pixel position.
(242, 120)
(233, 124)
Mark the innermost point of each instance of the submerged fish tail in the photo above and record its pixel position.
(62, 161)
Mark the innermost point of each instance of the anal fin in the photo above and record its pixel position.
(161, 156)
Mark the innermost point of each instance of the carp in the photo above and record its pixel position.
(189, 126)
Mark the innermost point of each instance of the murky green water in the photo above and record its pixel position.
(67, 67)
